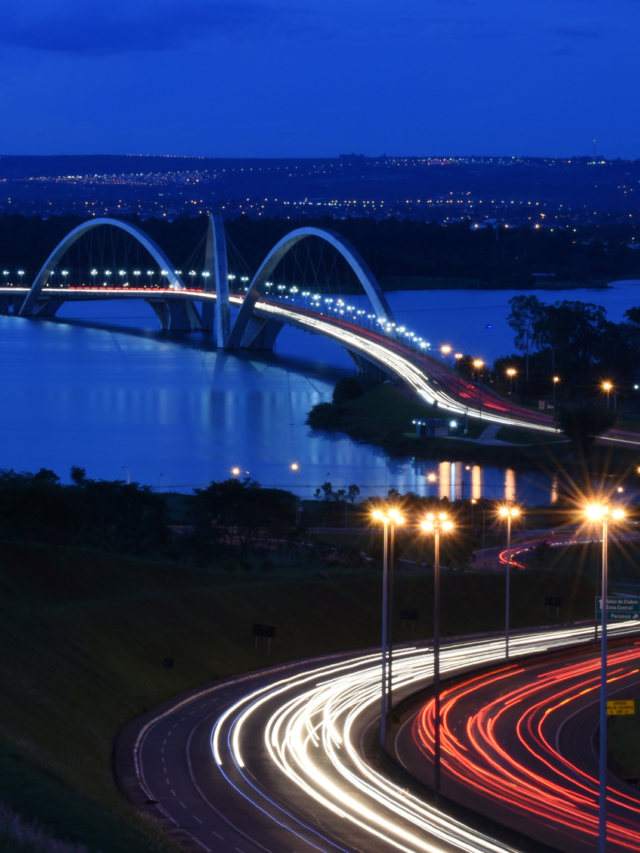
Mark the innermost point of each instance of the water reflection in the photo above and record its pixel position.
(104, 398)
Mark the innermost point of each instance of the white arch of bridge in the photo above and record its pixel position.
(175, 282)
(351, 255)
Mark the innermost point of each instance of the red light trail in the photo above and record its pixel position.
(509, 750)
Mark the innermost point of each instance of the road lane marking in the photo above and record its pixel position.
(173, 792)
(182, 804)
(196, 818)
(218, 834)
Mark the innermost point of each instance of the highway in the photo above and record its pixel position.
(283, 760)
(520, 745)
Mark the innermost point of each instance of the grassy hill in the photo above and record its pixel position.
(83, 636)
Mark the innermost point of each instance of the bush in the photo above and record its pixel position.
(325, 416)
(347, 388)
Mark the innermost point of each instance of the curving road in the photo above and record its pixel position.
(283, 760)
(520, 745)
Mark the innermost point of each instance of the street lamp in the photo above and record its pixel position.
(436, 524)
(136, 273)
(390, 518)
(150, 274)
(235, 471)
(20, 273)
(607, 386)
(295, 467)
(511, 372)
(556, 379)
(94, 273)
(445, 350)
(64, 274)
(599, 514)
(508, 512)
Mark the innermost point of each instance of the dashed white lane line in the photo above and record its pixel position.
(239, 850)
(167, 781)
(196, 818)
(182, 804)
(163, 742)
(173, 792)
(165, 770)
(217, 834)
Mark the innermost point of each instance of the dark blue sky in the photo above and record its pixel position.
(239, 78)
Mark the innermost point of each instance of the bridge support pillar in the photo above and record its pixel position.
(260, 334)
(18, 302)
(176, 315)
(46, 307)
(367, 369)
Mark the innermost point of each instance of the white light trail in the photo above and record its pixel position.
(311, 726)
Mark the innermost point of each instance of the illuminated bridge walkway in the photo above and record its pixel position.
(260, 316)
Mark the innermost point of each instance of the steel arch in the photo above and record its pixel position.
(175, 282)
(351, 255)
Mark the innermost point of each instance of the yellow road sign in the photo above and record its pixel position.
(621, 707)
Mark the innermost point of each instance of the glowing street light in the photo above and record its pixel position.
(478, 363)
(388, 519)
(556, 379)
(64, 274)
(508, 512)
(136, 273)
(295, 467)
(436, 524)
(20, 273)
(235, 471)
(607, 386)
(602, 514)
(511, 372)
(150, 274)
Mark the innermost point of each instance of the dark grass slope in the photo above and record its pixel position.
(83, 636)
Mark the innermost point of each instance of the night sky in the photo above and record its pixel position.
(312, 78)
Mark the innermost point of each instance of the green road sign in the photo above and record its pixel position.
(619, 609)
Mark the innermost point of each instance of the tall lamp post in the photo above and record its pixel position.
(599, 514)
(511, 372)
(295, 467)
(395, 518)
(556, 379)
(607, 386)
(508, 512)
(391, 517)
(436, 524)
(478, 363)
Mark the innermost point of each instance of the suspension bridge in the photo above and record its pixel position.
(259, 309)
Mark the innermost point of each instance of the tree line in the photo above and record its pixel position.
(488, 256)
(573, 344)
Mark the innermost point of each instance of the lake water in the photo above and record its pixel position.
(104, 390)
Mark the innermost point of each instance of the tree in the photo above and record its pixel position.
(524, 319)
(348, 388)
(633, 315)
(583, 424)
(572, 330)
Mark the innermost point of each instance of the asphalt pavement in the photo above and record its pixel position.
(520, 745)
(283, 760)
